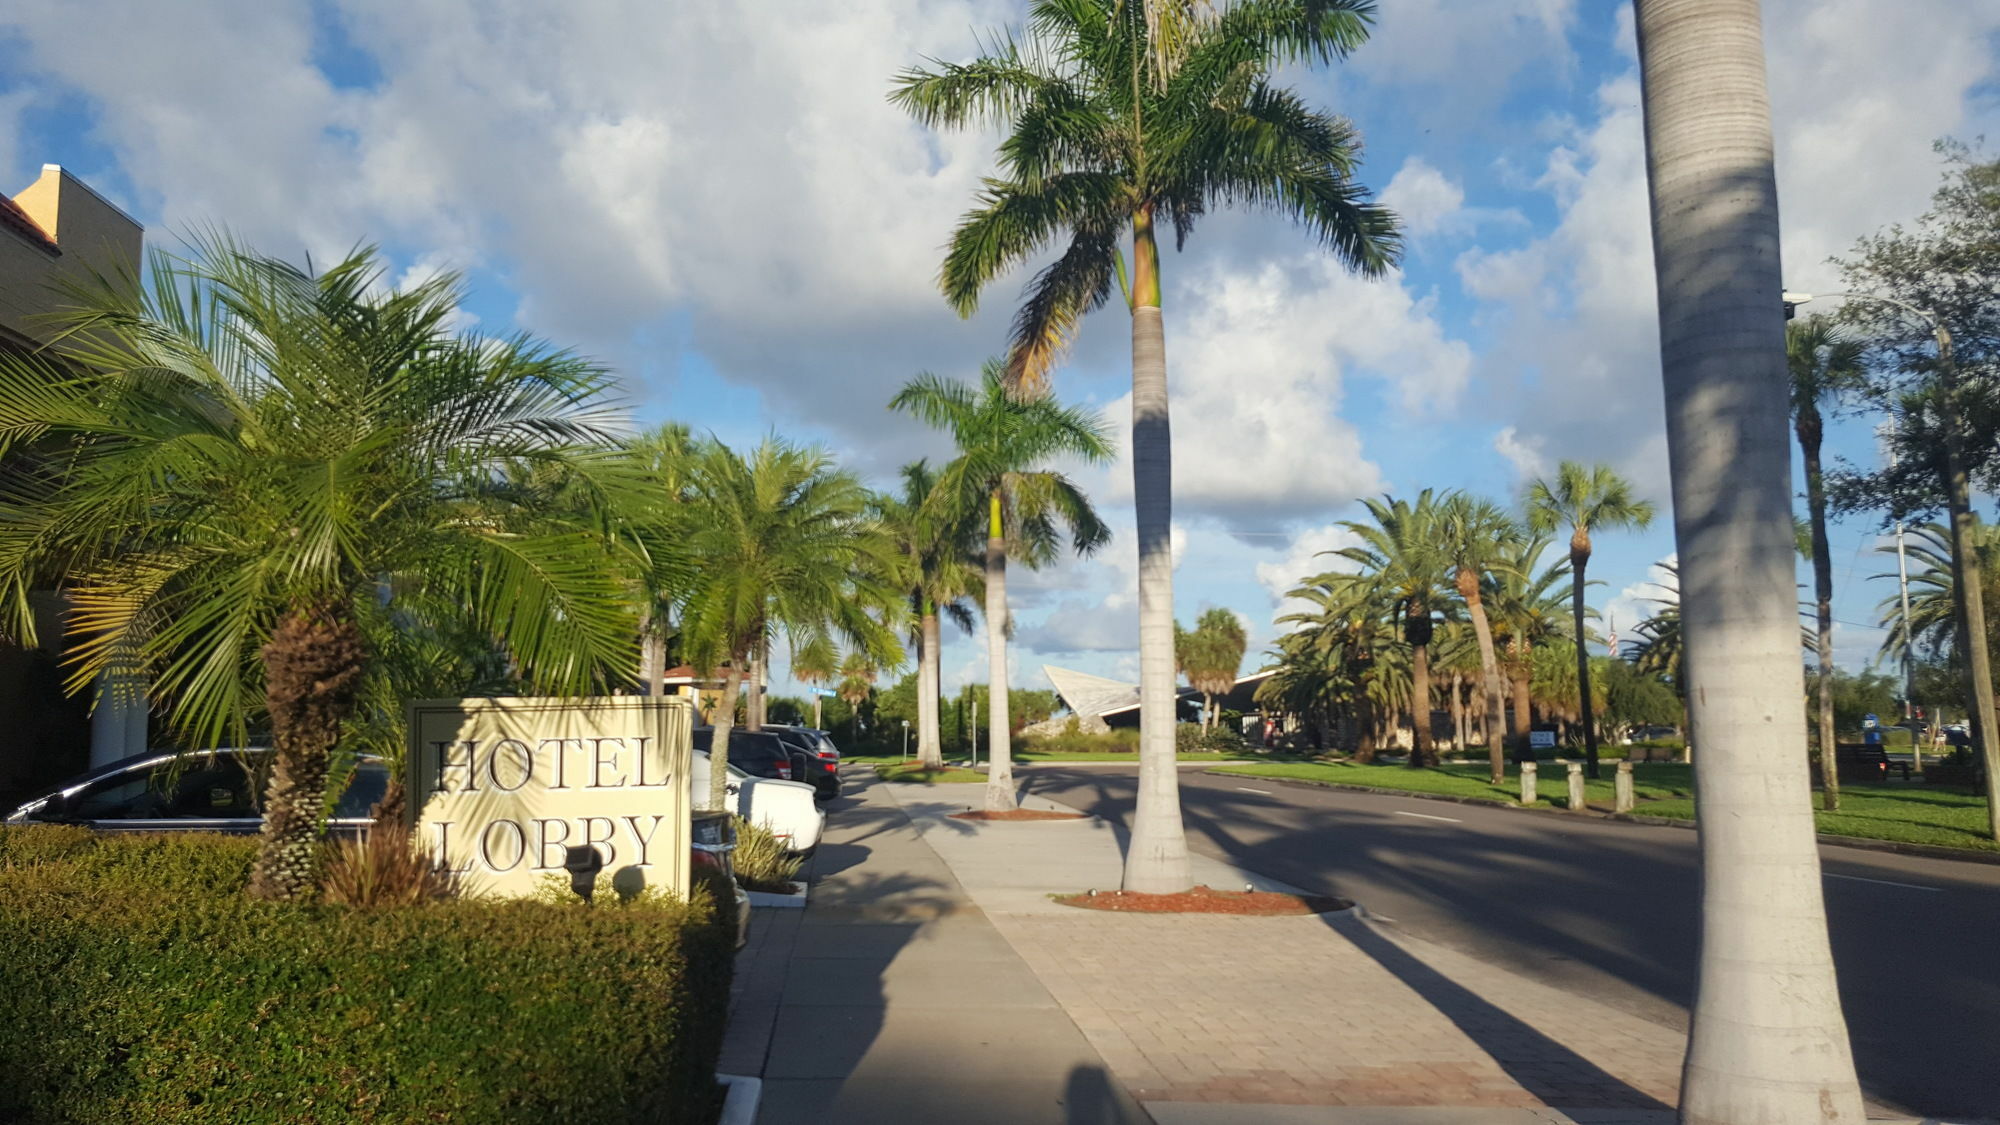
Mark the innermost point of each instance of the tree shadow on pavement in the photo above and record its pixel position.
(1544, 1067)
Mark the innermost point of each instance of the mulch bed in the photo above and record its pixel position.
(1017, 814)
(1207, 900)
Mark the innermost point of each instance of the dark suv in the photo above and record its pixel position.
(757, 753)
(820, 759)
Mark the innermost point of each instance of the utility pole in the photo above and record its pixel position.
(975, 728)
(1909, 651)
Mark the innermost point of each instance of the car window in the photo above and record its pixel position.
(122, 796)
(210, 788)
(364, 791)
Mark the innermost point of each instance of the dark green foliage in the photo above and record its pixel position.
(144, 986)
(1636, 698)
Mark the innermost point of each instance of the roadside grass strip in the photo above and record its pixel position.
(913, 773)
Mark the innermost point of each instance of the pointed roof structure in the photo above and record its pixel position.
(1088, 695)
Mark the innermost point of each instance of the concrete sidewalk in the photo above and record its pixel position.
(892, 998)
(1331, 1019)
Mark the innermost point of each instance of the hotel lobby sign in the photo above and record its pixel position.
(501, 788)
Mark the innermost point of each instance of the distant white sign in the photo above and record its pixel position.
(1542, 739)
(502, 787)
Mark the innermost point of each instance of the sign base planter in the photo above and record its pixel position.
(1206, 900)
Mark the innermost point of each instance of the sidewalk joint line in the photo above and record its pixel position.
(1885, 882)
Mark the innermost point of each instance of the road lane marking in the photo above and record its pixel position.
(1886, 883)
(1427, 816)
(1247, 789)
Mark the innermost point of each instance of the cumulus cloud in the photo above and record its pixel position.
(1307, 555)
(1425, 199)
(1526, 454)
(1641, 599)
(1104, 617)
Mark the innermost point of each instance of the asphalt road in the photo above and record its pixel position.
(1610, 910)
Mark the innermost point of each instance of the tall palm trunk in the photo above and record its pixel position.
(1968, 593)
(1809, 431)
(1422, 751)
(652, 656)
(1156, 860)
(1489, 672)
(1458, 742)
(1579, 558)
(1768, 1043)
(1000, 750)
(312, 672)
(1524, 700)
(723, 726)
(753, 707)
(930, 750)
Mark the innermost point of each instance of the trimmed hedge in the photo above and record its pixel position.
(142, 985)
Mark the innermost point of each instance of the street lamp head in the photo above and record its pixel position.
(1793, 301)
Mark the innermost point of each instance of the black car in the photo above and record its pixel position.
(757, 753)
(817, 755)
(209, 791)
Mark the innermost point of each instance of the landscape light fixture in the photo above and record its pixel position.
(583, 862)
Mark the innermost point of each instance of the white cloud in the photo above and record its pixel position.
(1104, 616)
(1528, 455)
(1425, 199)
(1474, 51)
(1307, 555)
(1640, 600)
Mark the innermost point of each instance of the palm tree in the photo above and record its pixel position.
(1211, 655)
(1477, 534)
(1528, 610)
(1582, 499)
(1404, 561)
(940, 570)
(1933, 622)
(815, 665)
(996, 479)
(1119, 120)
(857, 682)
(786, 545)
(243, 456)
(1767, 1041)
(1825, 366)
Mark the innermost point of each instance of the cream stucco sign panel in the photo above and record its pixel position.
(504, 786)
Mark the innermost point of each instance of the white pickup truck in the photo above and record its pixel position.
(785, 808)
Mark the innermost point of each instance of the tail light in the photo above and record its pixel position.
(831, 767)
(705, 858)
(784, 771)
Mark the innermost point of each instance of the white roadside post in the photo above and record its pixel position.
(1576, 796)
(1622, 786)
(1528, 783)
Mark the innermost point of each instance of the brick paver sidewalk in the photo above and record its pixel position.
(1319, 1011)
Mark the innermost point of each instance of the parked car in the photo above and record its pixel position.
(714, 845)
(758, 753)
(787, 808)
(816, 762)
(161, 791)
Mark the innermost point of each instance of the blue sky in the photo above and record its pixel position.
(716, 200)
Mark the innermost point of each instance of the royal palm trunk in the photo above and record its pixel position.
(1422, 752)
(1000, 769)
(312, 672)
(1579, 558)
(1809, 432)
(1156, 859)
(723, 725)
(1768, 1043)
(1489, 672)
(930, 750)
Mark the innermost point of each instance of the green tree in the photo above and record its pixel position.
(1583, 499)
(997, 478)
(1636, 698)
(1404, 563)
(1210, 655)
(1767, 1041)
(1932, 629)
(1121, 116)
(786, 546)
(1528, 611)
(941, 569)
(238, 461)
(1477, 534)
(1825, 367)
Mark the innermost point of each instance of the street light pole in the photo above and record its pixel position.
(1971, 601)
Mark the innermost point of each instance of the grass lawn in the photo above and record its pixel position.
(1911, 814)
(915, 773)
(1116, 756)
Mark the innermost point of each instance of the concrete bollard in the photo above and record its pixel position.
(1576, 786)
(1527, 783)
(1622, 798)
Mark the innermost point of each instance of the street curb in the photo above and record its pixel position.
(739, 1107)
(1933, 851)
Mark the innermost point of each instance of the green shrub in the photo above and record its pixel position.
(1118, 740)
(761, 862)
(143, 986)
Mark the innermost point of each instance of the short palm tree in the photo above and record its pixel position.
(1528, 610)
(786, 545)
(1825, 366)
(1120, 121)
(857, 683)
(1476, 535)
(1403, 560)
(1210, 655)
(1584, 499)
(244, 457)
(1933, 623)
(998, 479)
(815, 665)
(940, 568)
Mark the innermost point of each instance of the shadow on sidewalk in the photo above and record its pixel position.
(1545, 1068)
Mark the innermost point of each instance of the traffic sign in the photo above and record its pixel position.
(1542, 739)
(826, 693)
(1869, 721)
